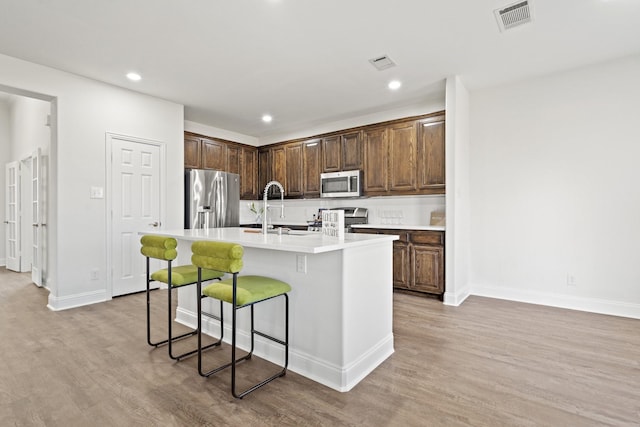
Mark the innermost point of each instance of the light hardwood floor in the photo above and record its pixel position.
(486, 363)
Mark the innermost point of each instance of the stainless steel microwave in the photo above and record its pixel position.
(341, 184)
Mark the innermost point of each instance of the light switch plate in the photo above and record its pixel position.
(97, 193)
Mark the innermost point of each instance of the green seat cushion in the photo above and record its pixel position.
(250, 289)
(184, 275)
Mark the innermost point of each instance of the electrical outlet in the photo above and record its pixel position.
(301, 263)
(571, 280)
(95, 274)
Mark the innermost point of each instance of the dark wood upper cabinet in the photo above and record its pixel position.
(233, 159)
(331, 154)
(342, 152)
(278, 169)
(192, 152)
(311, 167)
(351, 146)
(294, 165)
(264, 170)
(248, 173)
(376, 155)
(214, 155)
(402, 157)
(431, 155)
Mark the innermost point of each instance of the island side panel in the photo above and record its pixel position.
(367, 310)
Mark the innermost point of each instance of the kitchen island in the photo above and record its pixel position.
(341, 303)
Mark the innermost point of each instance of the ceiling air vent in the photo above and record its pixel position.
(513, 15)
(382, 62)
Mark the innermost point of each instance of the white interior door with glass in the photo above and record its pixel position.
(36, 219)
(12, 215)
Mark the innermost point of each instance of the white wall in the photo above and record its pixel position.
(212, 131)
(83, 112)
(457, 153)
(28, 128)
(555, 189)
(4, 158)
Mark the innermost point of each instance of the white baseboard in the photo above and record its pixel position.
(457, 298)
(77, 300)
(328, 374)
(3, 262)
(593, 305)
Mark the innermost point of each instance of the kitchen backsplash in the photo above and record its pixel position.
(388, 210)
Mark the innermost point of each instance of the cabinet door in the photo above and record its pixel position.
(248, 173)
(376, 150)
(311, 168)
(402, 157)
(214, 155)
(428, 268)
(293, 167)
(192, 152)
(233, 159)
(351, 151)
(401, 265)
(279, 170)
(264, 170)
(331, 154)
(431, 156)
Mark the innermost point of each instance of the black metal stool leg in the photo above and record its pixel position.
(285, 343)
(199, 312)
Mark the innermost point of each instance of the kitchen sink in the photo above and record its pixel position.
(290, 232)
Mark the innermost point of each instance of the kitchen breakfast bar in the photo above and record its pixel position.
(341, 302)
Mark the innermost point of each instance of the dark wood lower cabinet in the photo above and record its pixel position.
(418, 259)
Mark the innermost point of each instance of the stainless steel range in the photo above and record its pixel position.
(351, 216)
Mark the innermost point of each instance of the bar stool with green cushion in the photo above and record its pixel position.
(240, 292)
(164, 248)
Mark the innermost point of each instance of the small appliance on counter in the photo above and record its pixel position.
(351, 216)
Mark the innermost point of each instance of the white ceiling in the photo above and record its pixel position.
(305, 62)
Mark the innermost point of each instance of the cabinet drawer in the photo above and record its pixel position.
(427, 237)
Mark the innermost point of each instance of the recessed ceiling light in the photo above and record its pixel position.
(394, 84)
(267, 118)
(134, 76)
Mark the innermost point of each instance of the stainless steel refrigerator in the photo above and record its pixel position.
(212, 199)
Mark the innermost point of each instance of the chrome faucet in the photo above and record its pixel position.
(266, 206)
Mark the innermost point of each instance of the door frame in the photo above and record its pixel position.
(110, 193)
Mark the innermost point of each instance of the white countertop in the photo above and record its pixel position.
(401, 227)
(302, 241)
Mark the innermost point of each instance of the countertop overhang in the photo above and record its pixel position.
(311, 242)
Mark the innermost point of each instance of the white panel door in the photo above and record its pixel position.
(36, 218)
(12, 215)
(135, 192)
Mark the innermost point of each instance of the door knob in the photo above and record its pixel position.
(155, 224)
(36, 224)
